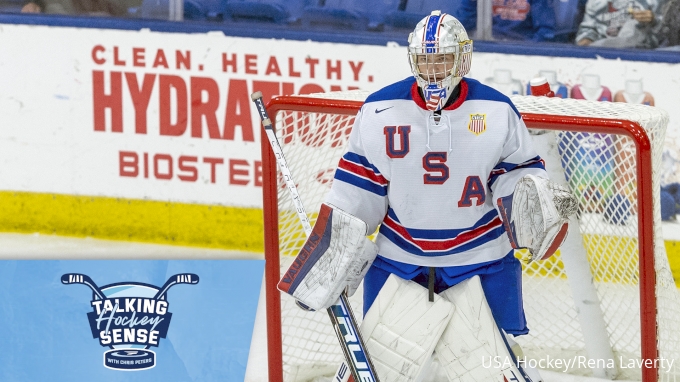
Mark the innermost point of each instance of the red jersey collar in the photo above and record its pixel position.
(418, 99)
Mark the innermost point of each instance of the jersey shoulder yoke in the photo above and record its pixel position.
(397, 90)
(479, 91)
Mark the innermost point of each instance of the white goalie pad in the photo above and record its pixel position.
(336, 255)
(472, 348)
(536, 215)
(402, 328)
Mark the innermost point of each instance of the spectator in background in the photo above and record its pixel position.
(621, 23)
(669, 32)
(113, 8)
(514, 19)
(33, 7)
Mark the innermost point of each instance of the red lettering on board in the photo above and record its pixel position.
(186, 168)
(167, 175)
(272, 67)
(96, 56)
(238, 111)
(229, 63)
(113, 101)
(186, 165)
(356, 68)
(128, 164)
(337, 69)
(138, 57)
(160, 60)
(140, 98)
(169, 85)
(311, 62)
(251, 63)
(116, 60)
(237, 173)
(291, 68)
(213, 162)
(183, 59)
(207, 109)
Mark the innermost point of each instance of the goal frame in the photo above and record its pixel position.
(643, 159)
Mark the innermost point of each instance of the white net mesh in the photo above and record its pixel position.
(601, 171)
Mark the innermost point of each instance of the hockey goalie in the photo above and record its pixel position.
(443, 167)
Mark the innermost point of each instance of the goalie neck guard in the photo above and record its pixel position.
(439, 53)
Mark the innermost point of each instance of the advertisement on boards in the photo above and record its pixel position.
(167, 117)
(147, 115)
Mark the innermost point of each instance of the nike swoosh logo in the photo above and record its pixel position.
(381, 110)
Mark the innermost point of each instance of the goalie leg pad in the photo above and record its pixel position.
(402, 328)
(472, 348)
(336, 255)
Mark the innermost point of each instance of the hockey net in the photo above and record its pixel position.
(610, 156)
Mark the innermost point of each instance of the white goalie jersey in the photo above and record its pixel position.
(432, 182)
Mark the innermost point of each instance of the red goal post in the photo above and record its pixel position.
(583, 118)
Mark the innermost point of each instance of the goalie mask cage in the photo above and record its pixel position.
(607, 300)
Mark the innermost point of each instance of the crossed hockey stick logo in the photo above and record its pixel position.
(129, 318)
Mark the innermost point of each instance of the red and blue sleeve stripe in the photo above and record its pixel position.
(505, 167)
(358, 171)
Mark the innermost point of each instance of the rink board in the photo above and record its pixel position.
(211, 226)
(141, 115)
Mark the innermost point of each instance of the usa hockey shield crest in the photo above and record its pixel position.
(477, 123)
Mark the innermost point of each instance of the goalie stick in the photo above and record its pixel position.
(340, 313)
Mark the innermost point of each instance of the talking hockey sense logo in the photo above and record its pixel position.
(129, 318)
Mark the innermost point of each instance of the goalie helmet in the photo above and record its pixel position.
(439, 52)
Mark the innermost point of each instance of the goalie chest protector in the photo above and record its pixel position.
(428, 182)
